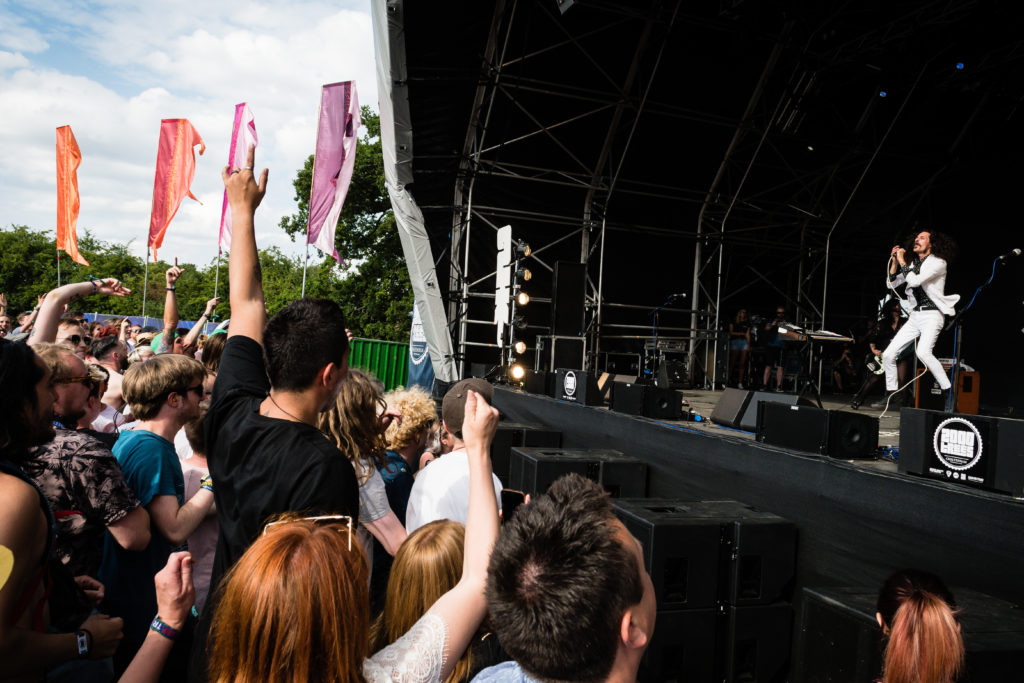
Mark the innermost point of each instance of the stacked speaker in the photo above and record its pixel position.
(511, 435)
(723, 576)
(533, 470)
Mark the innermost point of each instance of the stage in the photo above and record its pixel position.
(857, 520)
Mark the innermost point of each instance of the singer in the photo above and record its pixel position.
(925, 277)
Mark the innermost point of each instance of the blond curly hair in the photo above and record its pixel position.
(418, 412)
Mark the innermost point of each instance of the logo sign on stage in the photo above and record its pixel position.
(958, 446)
(569, 388)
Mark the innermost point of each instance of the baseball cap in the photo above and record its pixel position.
(453, 406)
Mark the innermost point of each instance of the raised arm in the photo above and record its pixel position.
(45, 329)
(197, 329)
(463, 607)
(248, 309)
(170, 309)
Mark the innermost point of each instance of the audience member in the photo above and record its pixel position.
(80, 477)
(112, 354)
(567, 591)
(28, 531)
(275, 379)
(918, 617)
(202, 542)
(441, 491)
(356, 424)
(164, 394)
(299, 575)
(427, 566)
(69, 330)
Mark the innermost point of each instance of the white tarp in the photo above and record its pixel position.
(396, 141)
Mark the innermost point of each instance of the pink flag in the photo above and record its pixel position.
(332, 166)
(243, 136)
(175, 168)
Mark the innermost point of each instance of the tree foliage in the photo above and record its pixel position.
(372, 284)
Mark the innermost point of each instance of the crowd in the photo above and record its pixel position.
(246, 507)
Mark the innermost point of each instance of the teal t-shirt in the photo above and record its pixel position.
(151, 468)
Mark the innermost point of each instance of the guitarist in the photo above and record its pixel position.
(890, 320)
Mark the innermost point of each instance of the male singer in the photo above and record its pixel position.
(925, 277)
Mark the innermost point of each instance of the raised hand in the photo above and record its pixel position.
(244, 193)
(480, 422)
(112, 287)
(211, 305)
(173, 273)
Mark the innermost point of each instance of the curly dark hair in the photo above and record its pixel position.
(943, 245)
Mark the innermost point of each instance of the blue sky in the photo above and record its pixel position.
(113, 69)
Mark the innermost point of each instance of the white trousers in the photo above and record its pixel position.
(923, 324)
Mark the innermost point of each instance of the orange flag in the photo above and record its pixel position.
(68, 159)
(175, 168)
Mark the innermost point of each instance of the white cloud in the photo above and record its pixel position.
(203, 60)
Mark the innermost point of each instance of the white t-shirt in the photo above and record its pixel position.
(441, 491)
(108, 421)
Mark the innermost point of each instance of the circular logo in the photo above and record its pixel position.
(570, 383)
(957, 444)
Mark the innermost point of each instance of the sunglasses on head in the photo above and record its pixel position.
(322, 520)
(84, 379)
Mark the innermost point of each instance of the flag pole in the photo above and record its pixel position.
(58, 266)
(309, 203)
(216, 277)
(305, 264)
(145, 286)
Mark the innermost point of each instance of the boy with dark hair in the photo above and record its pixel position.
(567, 590)
(263, 446)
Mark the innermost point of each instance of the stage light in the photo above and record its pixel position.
(517, 372)
(882, 93)
(520, 347)
(810, 148)
(519, 322)
(523, 274)
(959, 65)
(523, 250)
(523, 298)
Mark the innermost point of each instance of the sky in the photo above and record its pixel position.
(113, 69)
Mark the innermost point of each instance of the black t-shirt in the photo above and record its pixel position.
(262, 466)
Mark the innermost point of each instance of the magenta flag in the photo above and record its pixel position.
(243, 136)
(332, 166)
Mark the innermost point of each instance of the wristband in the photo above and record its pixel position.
(206, 483)
(170, 289)
(163, 629)
(82, 640)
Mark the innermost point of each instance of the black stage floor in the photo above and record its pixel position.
(857, 520)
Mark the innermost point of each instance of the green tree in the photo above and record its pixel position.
(372, 284)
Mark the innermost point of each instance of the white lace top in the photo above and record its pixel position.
(416, 657)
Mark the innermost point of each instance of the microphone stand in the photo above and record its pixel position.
(654, 351)
(957, 323)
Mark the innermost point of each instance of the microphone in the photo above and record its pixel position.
(1014, 252)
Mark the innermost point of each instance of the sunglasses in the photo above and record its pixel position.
(78, 339)
(323, 520)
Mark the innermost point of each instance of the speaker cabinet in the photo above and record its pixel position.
(647, 400)
(682, 648)
(533, 470)
(754, 644)
(838, 639)
(730, 408)
(511, 435)
(706, 552)
(836, 433)
(968, 450)
(568, 298)
(539, 382)
(749, 420)
(607, 381)
(576, 386)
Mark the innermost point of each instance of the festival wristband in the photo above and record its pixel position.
(82, 639)
(163, 629)
(206, 483)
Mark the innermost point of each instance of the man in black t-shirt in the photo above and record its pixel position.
(265, 454)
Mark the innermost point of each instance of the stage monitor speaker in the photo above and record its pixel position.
(749, 420)
(731, 406)
(672, 374)
(682, 648)
(576, 386)
(703, 553)
(533, 470)
(754, 643)
(568, 298)
(968, 450)
(606, 382)
(647, 400)
(539, 382)
(511, 435)
(838, 639)
(836, 433)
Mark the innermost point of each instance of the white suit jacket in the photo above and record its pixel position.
(932, 279)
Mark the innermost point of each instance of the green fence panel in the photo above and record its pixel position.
(389, 361)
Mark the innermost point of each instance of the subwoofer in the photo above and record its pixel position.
(836, 433)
